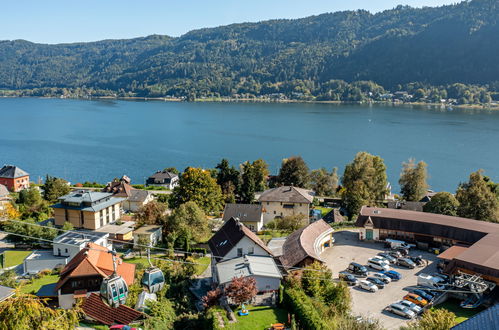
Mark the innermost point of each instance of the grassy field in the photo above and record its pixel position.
(38, 283)
(462, 314)
(260, 317)
(14, 258)
(204, 261)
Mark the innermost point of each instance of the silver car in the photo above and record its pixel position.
(383, 277)
(412, 306)
(368, 286)
(401, 310)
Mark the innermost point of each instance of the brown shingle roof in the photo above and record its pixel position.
(95, 260)
(99, 311)
(485, 253)
(229, 235)
(452, 252)
(287, 194)
(119, 188)
(300, 244)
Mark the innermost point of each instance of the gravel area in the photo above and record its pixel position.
(348, 248)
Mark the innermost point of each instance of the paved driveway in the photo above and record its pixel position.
(348, 248)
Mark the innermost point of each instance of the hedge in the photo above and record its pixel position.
(298, 303)
(212, 320)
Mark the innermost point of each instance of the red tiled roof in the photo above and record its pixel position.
(95, 308)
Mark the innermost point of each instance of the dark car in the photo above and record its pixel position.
(379, 283)
(424, 294)
(348, 278)
(395, 253)
(395, 276)
(357, 269)
(406, 262)
(418, 260)
(403, 251)
(388, 257)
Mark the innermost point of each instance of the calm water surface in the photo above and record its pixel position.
(99, 140)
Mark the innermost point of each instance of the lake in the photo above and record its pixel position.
(82, 140)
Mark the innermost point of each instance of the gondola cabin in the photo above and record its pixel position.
(153, 279)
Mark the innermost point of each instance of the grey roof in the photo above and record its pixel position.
(79, 238)
(81, 196)
(6, 292)
(12, 172)
(288, 194)
(138, 195)
(122, 229)
(486, 320)
(244, 212)
(247, 266)
(147, 229)
(276, 244)
(4, 192)
(92, 197)
(162, 175)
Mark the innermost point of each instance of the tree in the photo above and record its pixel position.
(31, 205)
(364, 181)
(241, 289)
(413, 180)
(152, 213)
(289, 223)
(212, 297)
(9, 212)
(67, 226)
(198, 186)
(433, 319)
(261, 171)
(442, 203)
(294, 172)
(228, 180)
(476, 200)
(171, 170)
(323, 182)
(26, 312)
(187, 220)
(55, 188)
(248, 184)
(315, 278)
(162, 314)
(8, 278)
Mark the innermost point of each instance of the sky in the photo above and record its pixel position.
(62, 21)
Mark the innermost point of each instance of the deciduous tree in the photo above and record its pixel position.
(55, 188)
(152, 213)
(323, 182)
(294, 172)
(248, 184)
(442, 203)
(476, 199)
(187, 220)
(228, 178)
(433, 319)
(413, 180)
(212, 297)
(241, 289)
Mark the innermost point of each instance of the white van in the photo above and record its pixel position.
(377, 264)
(395, 244)
(429, 281)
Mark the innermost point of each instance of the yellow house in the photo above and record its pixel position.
(87, 209)
(285, 201)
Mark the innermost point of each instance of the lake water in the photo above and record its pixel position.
(98, 140)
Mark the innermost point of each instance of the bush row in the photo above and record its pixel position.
(298, 303)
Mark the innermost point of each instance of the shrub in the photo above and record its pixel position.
(298, 303)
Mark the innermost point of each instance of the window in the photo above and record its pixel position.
(275, 212)
(76, 284)
(66, 214)
(251, 250)
(66, 250)
(239, 252)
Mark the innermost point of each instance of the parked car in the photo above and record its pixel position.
(388, 257)
(382, 277)
(404, 252)
(423, 294)
(379, 283)
(412, 306)
(357, 269)
(406, 262)
(418, 260)
(445, 278)
(395, 253)
(368, 286)
(395, 276)
(418, 300)
(348, 278)
(400, 310)
(396, 244)
(381, 259)
(377, 264)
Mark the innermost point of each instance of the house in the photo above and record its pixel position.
(250, 215)
(152, 234)
(4, 197)
(96, 310)
(263, 269)
(285, 201)
(133, 198)
(304, 246)
(85, 272)
(471, 246)
(119, 231)
(6, 292)
(14, 178)
(70, 243)
(87, 209)
(163, 179)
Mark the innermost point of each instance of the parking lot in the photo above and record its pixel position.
(348, 248)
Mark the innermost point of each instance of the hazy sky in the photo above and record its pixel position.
(55, 21)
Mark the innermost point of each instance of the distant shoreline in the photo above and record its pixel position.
(261, 100)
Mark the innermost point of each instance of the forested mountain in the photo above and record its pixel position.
(432, 46)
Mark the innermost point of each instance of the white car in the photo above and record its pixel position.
(368, 286)
(412, 306)
(398, 309)
(381, 259)
(377, 264)
(382, 277)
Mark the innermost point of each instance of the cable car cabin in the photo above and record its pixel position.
(153, 279)
(114, 291)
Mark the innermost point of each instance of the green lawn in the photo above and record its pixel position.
(204, 261)
(260, 317)
(95, 326)
(38, 283)
(14, 258)
(462, 314)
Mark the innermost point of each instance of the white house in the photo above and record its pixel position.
(163, 179)
(137, 199)
(151, 233)
(70, 243)
(285, 201)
